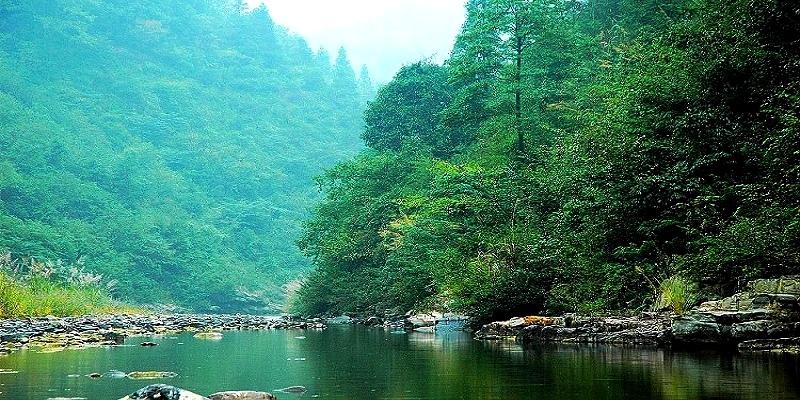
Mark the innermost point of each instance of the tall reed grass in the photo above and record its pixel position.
(33, 288)
(676, 293)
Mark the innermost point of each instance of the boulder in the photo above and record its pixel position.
(689, 330)
(163, 392)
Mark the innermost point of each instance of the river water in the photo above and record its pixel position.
(353, 362)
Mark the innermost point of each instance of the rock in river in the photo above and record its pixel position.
(163, 392)
(241, 395)
(113, 374)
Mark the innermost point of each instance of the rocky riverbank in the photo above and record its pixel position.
(53, 333)
(764, 317)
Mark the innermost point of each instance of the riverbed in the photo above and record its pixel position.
(356, 362)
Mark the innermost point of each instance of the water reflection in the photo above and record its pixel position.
(600, 371)
(348, 362)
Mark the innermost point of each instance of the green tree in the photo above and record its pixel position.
(407, 112)
(513, 48)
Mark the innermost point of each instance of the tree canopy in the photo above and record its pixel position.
(565, 156)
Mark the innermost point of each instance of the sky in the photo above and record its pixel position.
(384, 35)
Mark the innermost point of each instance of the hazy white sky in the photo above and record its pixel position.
(381, 34)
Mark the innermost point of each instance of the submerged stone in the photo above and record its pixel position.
(293, 389)
(208, 335)
(151, 375)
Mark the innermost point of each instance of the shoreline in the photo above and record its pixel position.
(764, 317)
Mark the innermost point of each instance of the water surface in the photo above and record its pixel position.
(352, 362)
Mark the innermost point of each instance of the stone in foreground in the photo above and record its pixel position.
(241, 395)
(163, 392)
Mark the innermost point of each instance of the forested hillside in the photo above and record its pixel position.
(167, 145)
(570, 156)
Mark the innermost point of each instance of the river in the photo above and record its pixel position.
(354, 362)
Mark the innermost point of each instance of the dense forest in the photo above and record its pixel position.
(569, 156)
(166, 146)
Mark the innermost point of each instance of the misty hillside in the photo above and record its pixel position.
(169, 146)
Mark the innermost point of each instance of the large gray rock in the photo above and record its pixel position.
(750, 330)
(692, 331)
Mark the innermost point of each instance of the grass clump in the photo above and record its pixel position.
(675, 293)
(34, 288)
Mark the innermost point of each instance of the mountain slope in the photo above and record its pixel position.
(170, 147)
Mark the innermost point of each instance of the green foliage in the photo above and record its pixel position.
(345, 239)
(604, 135)
(169, 145)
